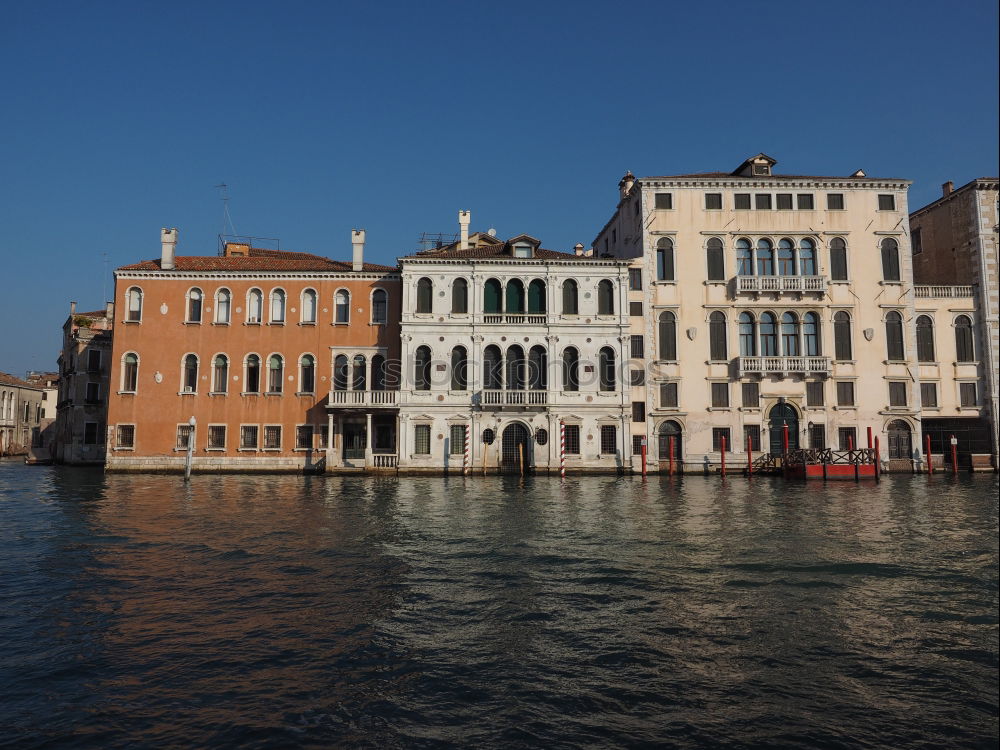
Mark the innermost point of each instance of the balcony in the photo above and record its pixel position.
(362, 399)
(501, 399)
(942, 292)
(758, 284)
(783, 365)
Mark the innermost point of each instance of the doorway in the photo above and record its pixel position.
(514, 448)
(780, 415)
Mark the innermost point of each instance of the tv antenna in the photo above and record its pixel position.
(227, 220)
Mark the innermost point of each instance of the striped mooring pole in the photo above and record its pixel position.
(465, 461)
(562, 450)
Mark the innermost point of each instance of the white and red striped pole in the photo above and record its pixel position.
(562, 450)
(465, 461)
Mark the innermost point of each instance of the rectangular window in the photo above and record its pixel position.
(304, 437)
(847, 437)
(783, 201)
(845, 393)
(272, 437)
(967, 394)
(638, 411)
(422, 439)
(637, 377)
(928, 394)
(751, 395)
(183, 437)
(717, 434)
(886, 202)
(216, 436)
(324, 436)
(125, 436)
(248, 437)
(915, 242)
(804, 201)
(751, 432)
(814, 393)
(762, 201)
(668, 395)
(93, 361)
(897, 393)
(93, 393)
(713, 201)
(609, 440)
(456, 434)
(720, 395)
(572, 432)
(664, 200)
(635, 278)
(638, 347)
(635, 309)
(741, 201)
(835, 201)
(817, 437)
(637, 445)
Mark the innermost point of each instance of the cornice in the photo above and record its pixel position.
(229, 275)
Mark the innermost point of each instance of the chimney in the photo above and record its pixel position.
(358, 245)
(464, 218)
(626, 184)
(947, 188)
(168, 242)
(109, 310)
(578, 248)
(72, 309)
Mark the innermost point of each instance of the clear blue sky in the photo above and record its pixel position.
(119, 117)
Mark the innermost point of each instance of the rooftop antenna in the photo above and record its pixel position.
(227, 220)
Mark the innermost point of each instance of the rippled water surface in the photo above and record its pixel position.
(600, 612)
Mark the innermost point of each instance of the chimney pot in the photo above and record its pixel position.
(168, 246)
(464, 219)
(578, 248)
(947, 188)
(72, 308)
(358, 246)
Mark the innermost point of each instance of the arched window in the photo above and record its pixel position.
(965, 351)
(894, 336)
(309, 300)
(275, 373)
(515, 368)
(748, 336)
(786, 258)
(492, 296)
(838, 259)
(810, 334)
(665, 259)
(492, 368)
(607, 368)
(425, 296)
(765, 258)
(307, 374)
(459, 369)
(515, 296)
(340, 372)
(570, 298)
(220, 374)
(571, 369)
(536, 297)
(925, 339)
(768, 327)
(342, 306)
(537, 368)
(251, 383)
(718, 350)
(133, 304)
(380, 306)
(194, 300)
(807, 258)
(890, 259)
(842, 336)
(716, 260)
(790, 334)
(223, 306)
(605, 298)
(380, 376)
(359, 379)
(422, 369)
(190, 375)
(277, 306)
(255, 306)
(130, 372)
(460, 297)
(668, 335)
(744, 257)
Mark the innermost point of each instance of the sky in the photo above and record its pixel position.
(119, 118)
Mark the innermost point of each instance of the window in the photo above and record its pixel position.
(762, 202)
(307, 373)
(571, 370)
(810, 334)
(572, 435)
(275, 373)
(835, 201)
(492, 368)
(897, 393)
(537, 369)
(492, 296)
(220, 374)
(459, 366)
(248, 437)
(713, 201)
(964, 350)
(217, 437)
(638, 345)
(324, 437)
(741, 201)
(886, 202)
(252, 379)
(515, 368)
(890, 259)
(668, 335)
(223, 306)
(664, 200)
(570, 305)
(814, 393)
(536, 297)
(751, 395)
(635, 279)
(716, 260)
(607, 369)
(125, 436)
(609, 440)
(425, 297)
(928, 394)
(847, 437)
(515, 296)
(925, 339)
(894, 336)
(768, 328)
(804, 201)
(460, 297)
(272, 437)
(183, 437)
(635, 309)
(277, 306)
(765, 257)
(720, 434)
(751, 435)
(342, 307)
(637, 377)
(133, 304)
(255, 306)
(456, 442)
(380, 373)
(309, 300)
(838, 259)
(189, 378)
(422, 369)
(665, 259)
(304, 437)
(194, 300)
(786, 258)
(637, 444)
(605, 298)
(783, 201)
(91, 433)
(845, 393)
(790, 334)
(718, 349)
(668, 395)
(522, 250)
(359, 375)
(380, 306)
(720, 395)
(638, 411)
(744, 257)
(817, 436)
(422, 439)
(842, 336)
(915, 243)
(807, 257)
(967, 394)
(93, 360)
(130, 372)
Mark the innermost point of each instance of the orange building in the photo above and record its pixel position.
(235, 355)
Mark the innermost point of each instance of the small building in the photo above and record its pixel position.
(20, 415)
(43, 442)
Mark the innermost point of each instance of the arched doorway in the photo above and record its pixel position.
(515, 447)
(900, 445)
(669, 429)
(782, 414)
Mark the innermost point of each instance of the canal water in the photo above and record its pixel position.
(599, 612)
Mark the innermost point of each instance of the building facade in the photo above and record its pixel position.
(20, 415)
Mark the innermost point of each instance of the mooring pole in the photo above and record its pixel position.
(954, 456)
(927, 452)
(521, 446)
(671, 447)
(723, 456)
(878, 460)
(466, 465)
(562, 449)
(869, 437)
(190, 451)
(784, 449)
(749, 457)
(643, 451)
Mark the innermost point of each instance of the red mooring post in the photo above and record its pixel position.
(784, 450)
(850, 443)
(954, 456)
(749, 457)
(643, 452)
(670, 446)
(723, 456)
(869, 438)
(878, 460)
(927, 451)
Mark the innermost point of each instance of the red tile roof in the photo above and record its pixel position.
(499, 250)
(7, 379)
(257, 260)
